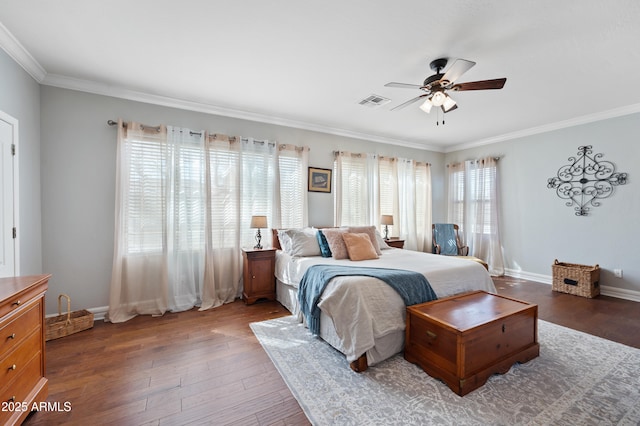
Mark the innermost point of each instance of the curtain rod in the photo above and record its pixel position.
(476, 160)
(124, 124)
(281, 146)
(381, 157)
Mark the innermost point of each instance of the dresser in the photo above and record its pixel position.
(258, 278)
(22, 348)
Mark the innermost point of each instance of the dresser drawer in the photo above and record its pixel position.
(13, 364)
(19, 327)
(19, 389)
(15, 302)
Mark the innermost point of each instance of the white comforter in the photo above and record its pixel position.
(364, 308)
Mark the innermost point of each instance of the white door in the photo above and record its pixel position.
(8, 128)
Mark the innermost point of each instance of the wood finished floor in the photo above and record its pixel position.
(208, 368)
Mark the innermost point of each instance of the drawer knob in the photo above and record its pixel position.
(12, 399)
(16, 303)
(13, 367)
(254, 277)
(431, 334)
(503, 328)
(13, 336)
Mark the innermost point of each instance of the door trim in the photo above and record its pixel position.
(13, 122)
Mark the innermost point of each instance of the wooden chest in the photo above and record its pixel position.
(464, 339)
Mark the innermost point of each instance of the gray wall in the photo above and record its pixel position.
(20, 98)
(537, 227)
(78, 188)
(67, 166)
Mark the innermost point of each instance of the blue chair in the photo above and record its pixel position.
(446, 240)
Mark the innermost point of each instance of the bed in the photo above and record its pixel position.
(363, 317)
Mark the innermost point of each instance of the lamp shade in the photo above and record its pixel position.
(386, 219)
(258, 221)
(448, 103)
(437, 99)
(426, 106)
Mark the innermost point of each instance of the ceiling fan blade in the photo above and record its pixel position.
(403, 85)
(458, 68)
(497, 83)
(409, 102)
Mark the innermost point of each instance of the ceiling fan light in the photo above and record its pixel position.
(426, 106)
(438, 98)
(448, 103)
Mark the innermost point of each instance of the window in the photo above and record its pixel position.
(472, 196)
(473, 205)
(368, 186)
(167, 183)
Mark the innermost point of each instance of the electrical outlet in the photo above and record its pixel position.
(617, 273)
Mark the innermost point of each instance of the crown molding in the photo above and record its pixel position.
(132, 95)
(18, 53)
(585, 119)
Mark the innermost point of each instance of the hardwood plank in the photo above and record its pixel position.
(208, 368)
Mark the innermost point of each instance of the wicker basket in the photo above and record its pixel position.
(580, 280)
(69, 323)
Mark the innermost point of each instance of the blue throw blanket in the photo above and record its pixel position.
(413, 287)
(445, 235)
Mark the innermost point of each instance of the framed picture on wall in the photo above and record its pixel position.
(319, 180)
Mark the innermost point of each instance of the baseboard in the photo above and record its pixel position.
(620, 293)
(98, 313)
(539, 278)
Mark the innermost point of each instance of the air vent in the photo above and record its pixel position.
(374, 101)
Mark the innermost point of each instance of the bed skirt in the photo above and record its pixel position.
(385, 346)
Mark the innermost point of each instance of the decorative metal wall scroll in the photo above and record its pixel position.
(586, 180)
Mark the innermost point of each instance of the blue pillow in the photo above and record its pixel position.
(325, 251)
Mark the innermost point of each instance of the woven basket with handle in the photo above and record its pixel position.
(68, 323)
(579, 280)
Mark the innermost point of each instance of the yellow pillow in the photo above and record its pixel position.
(359, 246)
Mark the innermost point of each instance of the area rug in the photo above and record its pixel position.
(578, 379)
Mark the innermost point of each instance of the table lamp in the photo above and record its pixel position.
(258, 222)
(386, 220)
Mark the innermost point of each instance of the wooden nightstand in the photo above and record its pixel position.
(395, 242)
(258, 277)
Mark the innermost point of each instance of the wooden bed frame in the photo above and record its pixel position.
(360, 364)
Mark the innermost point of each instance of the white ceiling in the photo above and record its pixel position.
(308, 64)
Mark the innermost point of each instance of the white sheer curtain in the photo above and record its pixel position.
(260, 184)
(423, 198)
(356, 201)
(185, 217)
(222, 274)
(414, 204)
(474, 205)
(184, 201)
(294, 208)
(139, 281)
(388, 195)
(482, 178)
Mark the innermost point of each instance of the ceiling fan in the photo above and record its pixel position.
(437, 85)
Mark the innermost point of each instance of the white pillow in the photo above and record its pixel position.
(300, 242)
(381, 242)
(285, 240)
